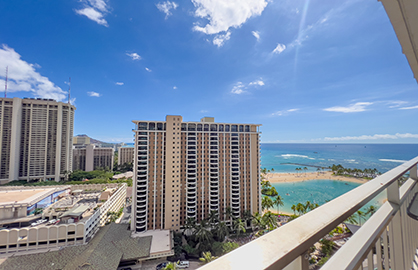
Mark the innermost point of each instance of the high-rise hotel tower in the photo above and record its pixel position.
(188, 169)
(35, 139)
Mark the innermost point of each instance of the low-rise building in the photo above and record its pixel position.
(91, 158)
(64, 221)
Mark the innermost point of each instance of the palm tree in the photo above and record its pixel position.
(294, 209)
(228, 214)
(247, 217)
(189, 226)
(213, 218)
(351, 219)
(278, 201)
(371, 210)
(221, 231)
(257, 220)
(239, 226)
(202, 233)
(305, 169)
(171, 266)
(207, 257)
(300, 208)
(360, 215)
(266, 203)
(270, 220)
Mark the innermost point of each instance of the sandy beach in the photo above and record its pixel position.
(300, 177)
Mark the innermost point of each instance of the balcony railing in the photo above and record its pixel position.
(388, 240)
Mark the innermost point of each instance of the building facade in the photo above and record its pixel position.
(91, 158)
(35, 139)
(125, 155)
(188, 169)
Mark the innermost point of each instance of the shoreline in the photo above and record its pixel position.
(301, 177)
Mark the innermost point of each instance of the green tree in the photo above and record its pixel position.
(294, 209)
(221, 231)
(239, 226)
(189, 226)
(278, 201)
(202, 233)
(229, 246)
(270, 220)
(228, 214)
(361, 215)
(266, 203)
(371, 210)
(213, 218)
(207, 257)
(171, 266)
(257, 221)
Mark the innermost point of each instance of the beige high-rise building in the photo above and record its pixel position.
(35, 139)
(91, 158)
(188, 169)
(125, 155)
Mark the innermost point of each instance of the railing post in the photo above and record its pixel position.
(396, 244)
(413, 173)
(300, 263)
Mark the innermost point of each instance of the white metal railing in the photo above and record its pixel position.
(390, 229)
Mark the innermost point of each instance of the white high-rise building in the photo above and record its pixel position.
(36, 138)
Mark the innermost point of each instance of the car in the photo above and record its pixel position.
(161, 265)
(183, 264)
(52, 221)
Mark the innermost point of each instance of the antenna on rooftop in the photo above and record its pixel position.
(5, 83)
(69, 91)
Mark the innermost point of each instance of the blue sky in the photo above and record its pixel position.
(307, 70)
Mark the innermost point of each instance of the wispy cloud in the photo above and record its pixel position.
(240, 88)
(256, 34)
(166, 7)
(119, 83)
(134, 56)
(95, 10)
(357, 107)
(279, 48)
(396, 103)
(22, 76)
(257, 82)
(285, 112)
(372, 137)
(223, 15)
(147, 69)
(93, 94)
(174, 87)
(219, 40)
(204, 111)
(409, 108)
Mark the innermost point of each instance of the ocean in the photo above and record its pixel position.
(285, 158)
(383, 157)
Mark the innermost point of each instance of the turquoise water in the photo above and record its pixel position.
(316, 191)
(383, 157)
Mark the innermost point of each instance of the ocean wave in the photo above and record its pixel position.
(393, 160)
(293, 155)
(350, 160)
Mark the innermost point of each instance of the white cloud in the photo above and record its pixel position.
(409, 108)
(119, 83)
(147, 69)
(95, 10)
(225, 14)
(134, 56)
(174, 87)
(373, 137)
(166, 7)
(258, 82)
(279, 48)
(93, 94)
(357, 107)
(256, 34)
(219, 40)
(396, 103)
(22, 76)
(238, 88)
(285, 112)
(204, 111)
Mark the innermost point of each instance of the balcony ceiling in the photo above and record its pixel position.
(403, 15)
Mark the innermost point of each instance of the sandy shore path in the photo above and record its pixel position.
(300, 177)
